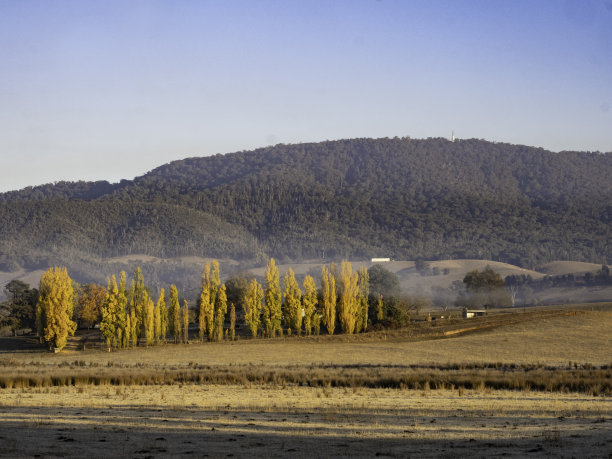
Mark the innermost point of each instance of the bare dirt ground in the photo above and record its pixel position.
(220, 421)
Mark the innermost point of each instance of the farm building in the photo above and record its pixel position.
(469, 313)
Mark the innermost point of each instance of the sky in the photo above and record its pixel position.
(108, 90)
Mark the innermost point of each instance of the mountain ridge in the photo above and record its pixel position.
(408, 198)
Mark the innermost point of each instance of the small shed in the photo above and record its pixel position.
(469, 313)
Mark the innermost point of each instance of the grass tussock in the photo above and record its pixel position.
(585, 378)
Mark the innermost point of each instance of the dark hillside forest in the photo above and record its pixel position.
(401, 197)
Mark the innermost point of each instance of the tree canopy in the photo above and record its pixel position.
(19, 310)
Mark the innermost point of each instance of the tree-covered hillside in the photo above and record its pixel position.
(403, 198)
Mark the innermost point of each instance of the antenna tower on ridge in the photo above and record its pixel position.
(453, 136)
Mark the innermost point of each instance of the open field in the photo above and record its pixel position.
(559, 268)
(436, 389)
(549, 337)
(216, 421)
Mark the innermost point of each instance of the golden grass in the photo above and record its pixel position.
(595, 381)
(559, 351)
(298, 421)
(548, 339)
(560, 268)
(396, 393)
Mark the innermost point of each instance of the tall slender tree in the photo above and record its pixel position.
(363, 293)
(138, 303)
(203, 307)
(293, 302)
(157, 322)
(380, 312)
(310, 303)
(163, 316)
(174, 314)
(185, 328)
(348, 307)
(127, 335)
(133, 324)
(55, 307)
(208, 298)
(215, 282)
(149, 320)
(220, 312)
(252, 306)
(328, 292)
(123, 334)
(272, 310)
(110, 314)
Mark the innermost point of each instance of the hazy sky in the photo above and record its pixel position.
(111, 89)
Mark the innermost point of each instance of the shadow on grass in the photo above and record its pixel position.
(137, 431)
(18, 344)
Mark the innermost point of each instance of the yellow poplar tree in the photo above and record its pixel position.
(272, 310)
(220, 312)
(208, 298)
(123, 332)
(90, 301)
(110, 313)
(185, 331)
(163, 316)
(348, 307)
(149, 321)
(328, 291)
(133, 323)
(310, 303)
(293, 302)
(157, 322)
(174, 321)
(55, 307)
(204, 305)
(380, 313)
(363, 293)
(215, 281)
(138, 303)
(127, 336)
(252, 306)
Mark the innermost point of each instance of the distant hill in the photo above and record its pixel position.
(403, 198)
(559, 268)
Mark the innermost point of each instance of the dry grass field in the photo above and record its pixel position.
(559, 268)
(437, 389)
(220, 421)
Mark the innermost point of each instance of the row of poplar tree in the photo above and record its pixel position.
(131, 316)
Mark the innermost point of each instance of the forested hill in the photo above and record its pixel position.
(402, 198)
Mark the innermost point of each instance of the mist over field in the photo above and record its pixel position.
(406, 199)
